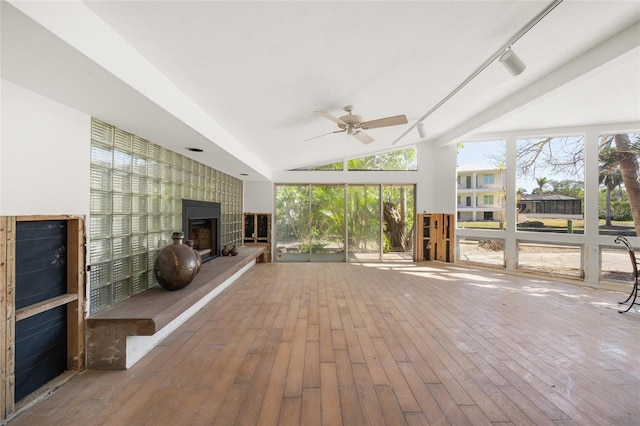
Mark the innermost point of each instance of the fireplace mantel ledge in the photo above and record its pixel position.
(121, 335)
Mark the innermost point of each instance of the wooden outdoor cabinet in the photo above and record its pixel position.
(434, 237)
(257, 233)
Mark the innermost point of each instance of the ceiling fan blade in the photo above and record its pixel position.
(384, 122)
(363, 137)
(330, 117)
(330, 133)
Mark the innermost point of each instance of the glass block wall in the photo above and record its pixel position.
(137, 188)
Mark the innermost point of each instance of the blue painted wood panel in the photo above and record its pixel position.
(41, 273)
(41, 350)
(41, 261)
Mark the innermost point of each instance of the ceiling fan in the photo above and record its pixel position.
(354, 125)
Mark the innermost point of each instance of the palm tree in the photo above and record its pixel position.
(542, 182)
(628, 160)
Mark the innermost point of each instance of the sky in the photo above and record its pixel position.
(476, 153)
(483, 153)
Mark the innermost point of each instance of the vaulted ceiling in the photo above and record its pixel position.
(241, 79)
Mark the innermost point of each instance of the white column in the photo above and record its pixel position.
(510, 249)
(591, 255)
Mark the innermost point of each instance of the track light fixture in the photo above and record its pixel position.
(512, 62)
(420, 128)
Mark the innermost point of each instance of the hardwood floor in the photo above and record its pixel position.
(351, 344)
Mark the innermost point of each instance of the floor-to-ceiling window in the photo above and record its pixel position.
(344, 222)
(293, 224)
(619, 188)
(550, 200)
(327, 223)
(567, 196)
(364, 225)
(481, 185)
(398, 214)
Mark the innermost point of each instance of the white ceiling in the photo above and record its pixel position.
(241, 79)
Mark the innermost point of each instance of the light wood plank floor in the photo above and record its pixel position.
(351, 344)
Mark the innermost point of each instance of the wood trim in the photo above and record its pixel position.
(38, 308)
(35, 218)
(3, 321)
(76, 281)
(7, 324)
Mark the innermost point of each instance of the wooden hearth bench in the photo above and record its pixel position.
(121, 335)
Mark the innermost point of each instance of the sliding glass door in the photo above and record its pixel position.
(327, 223)
(292, 223)
(363, 229)
(316, 223)
(398, 207)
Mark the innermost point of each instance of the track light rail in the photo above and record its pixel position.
(532, 23)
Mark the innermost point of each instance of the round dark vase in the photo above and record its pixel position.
(234, 250)
(176, 265)
(225, 251)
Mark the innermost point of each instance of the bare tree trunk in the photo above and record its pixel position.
(394, 228)
(629, 168)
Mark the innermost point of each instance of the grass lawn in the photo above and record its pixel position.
(578, 224)
(479, 225)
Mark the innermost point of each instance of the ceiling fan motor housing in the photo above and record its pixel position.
(351, 122)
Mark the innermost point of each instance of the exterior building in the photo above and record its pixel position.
(550, 206)
(481, 197)
(481, 192)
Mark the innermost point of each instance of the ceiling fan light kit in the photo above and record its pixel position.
(353, 124)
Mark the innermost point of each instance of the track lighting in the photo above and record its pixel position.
(512, 62)
(420, 128)
(507, 57)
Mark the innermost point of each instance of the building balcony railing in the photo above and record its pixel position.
(480, 206)
(492, 188)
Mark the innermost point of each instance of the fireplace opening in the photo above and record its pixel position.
(202, 232)
(201, 223)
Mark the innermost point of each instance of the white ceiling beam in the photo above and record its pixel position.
(622, 127)
(607, 51)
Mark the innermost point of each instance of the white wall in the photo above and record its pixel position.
(44, 156)
(258, 197)
(437, 185)
(435, 181)
(340, 177)
(445, 183)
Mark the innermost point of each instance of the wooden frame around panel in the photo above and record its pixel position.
(7, 325)
(74, 299)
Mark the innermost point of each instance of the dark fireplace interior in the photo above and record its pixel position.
(202, 232)
(201, 224)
